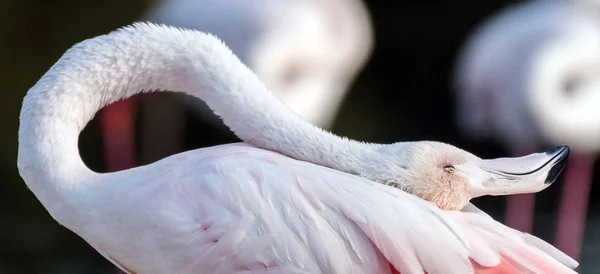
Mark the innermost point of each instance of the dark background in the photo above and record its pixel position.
(402, 94)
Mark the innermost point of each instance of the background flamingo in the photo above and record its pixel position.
(530, 76)
(243, 207)
(307, 51)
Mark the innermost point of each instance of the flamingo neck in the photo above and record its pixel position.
(146, 57)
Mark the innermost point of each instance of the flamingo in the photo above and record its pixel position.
(529, 76)
(307, 51)
(291, 198)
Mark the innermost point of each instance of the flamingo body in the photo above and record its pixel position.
(235, 208)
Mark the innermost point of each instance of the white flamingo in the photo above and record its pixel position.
(307, 51)
(531, 75)
(292, 199)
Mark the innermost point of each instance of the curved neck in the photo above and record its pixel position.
(145, 57)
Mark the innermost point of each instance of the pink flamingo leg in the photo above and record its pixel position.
(519, 212)
(573, 204)
(118, 134)
(520, 208)
(117, 127)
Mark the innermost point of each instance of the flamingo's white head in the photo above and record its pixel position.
(451, 177)
(311, 53)
(565, 86)
(535, 83)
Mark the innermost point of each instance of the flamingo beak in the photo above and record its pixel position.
(505, 176)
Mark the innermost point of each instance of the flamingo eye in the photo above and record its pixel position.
(291, 75)
(571, 85)
(449, 168)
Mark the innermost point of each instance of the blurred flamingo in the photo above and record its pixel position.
(531, 75)
(292, 199)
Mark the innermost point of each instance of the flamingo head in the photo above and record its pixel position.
(450, 177)
(564, 86)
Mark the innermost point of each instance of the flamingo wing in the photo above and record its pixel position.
(271, 212)
(416, 237)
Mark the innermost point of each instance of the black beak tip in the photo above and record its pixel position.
(558, 149)
(559, 155)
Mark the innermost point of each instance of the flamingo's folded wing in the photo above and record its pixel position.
(416, 237)
(314, 210)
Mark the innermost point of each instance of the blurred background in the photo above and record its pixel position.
(406, 91)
